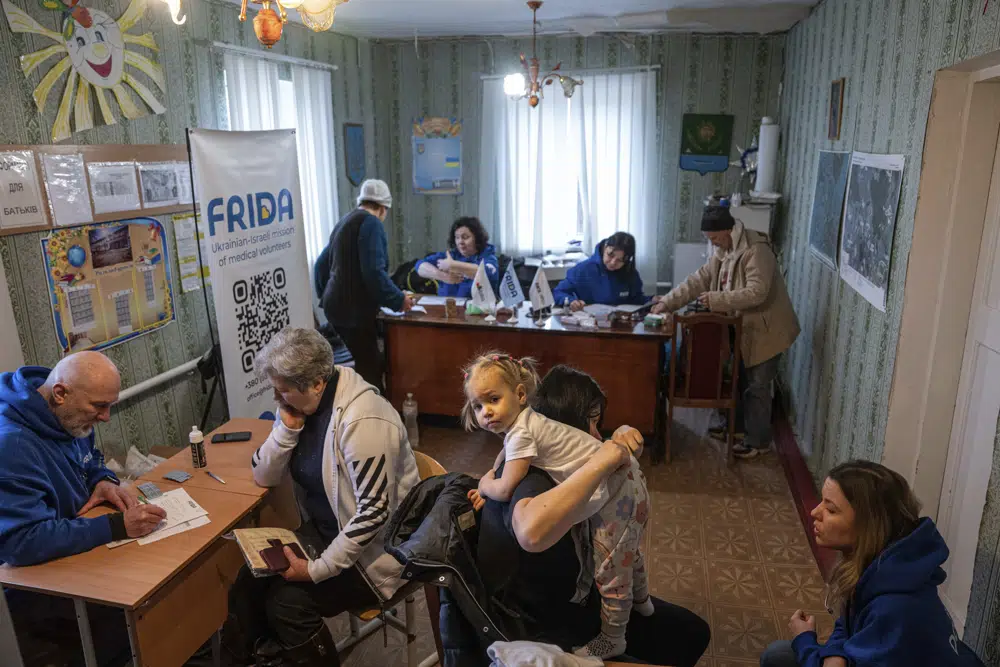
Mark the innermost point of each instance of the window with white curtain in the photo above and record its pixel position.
(573, 168)
(269, 95)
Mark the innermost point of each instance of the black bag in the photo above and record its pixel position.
(406, 278)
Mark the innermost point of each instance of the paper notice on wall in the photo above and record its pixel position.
(20, 195)
(113, 186)
(159, 184)
(183, 171)
(187, 252)
(66, 185)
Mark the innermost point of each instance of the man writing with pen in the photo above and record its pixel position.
(51, 473)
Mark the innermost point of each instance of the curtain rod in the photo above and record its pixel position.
(596, 70)
(254, 53)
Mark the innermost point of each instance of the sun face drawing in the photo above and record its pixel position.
(94, 49)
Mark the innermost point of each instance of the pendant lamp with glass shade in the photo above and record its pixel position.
(268, 24)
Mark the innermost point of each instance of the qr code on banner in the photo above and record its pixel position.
(261, 311)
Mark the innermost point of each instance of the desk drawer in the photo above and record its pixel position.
(185, 613)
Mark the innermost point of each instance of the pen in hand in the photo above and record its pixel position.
(216, 477)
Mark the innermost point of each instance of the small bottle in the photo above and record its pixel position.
(410, 419)
(197, 441)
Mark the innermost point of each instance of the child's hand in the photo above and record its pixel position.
(631, 438)
(477, 500)
(486, 479)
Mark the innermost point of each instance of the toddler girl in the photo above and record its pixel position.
(498, 389)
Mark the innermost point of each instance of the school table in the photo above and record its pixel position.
(174, 592)
(425, 353)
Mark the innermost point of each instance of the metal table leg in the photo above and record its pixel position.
(133, 639)
(86, 638)
(8, 637)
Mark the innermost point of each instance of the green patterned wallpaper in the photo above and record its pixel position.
(840, 371)
(161, 416)
(739, 75)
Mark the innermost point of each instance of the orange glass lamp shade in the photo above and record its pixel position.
(267, 24)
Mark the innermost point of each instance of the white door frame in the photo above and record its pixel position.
(970, 451)
(955, 175)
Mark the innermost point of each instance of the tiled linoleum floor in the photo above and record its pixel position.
(724, 542)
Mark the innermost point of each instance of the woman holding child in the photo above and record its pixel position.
(525, 568)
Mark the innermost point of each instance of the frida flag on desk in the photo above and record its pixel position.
(510, 288)
(483, 297)
(255, 233)
(541, 293)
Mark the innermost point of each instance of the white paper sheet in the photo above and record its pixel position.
(187, 252)
(599, 309)
(180, 507)
(20, 195)
(176, 530)
(441, 300)
(66, 185)
(183, 182)
(393, 313)
(113, 186)
(159, 184)
(627, 308)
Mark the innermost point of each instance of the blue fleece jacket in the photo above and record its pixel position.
(896, 617)
(464, 288)
(46, 476)
(591, 282)
(373, 249)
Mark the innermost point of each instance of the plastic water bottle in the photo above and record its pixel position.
(410, 419)
(197, 441)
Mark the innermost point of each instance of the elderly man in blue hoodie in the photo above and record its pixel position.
(51, 474)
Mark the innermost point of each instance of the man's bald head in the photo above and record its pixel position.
(80, 391)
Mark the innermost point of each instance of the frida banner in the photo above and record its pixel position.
(108, 282)
(248, 185)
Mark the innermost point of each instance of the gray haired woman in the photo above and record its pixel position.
(347, 453)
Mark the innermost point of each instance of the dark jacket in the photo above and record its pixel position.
(474, 557)
(591, 282)
(46, 476)
(359, 272)
(896, 617)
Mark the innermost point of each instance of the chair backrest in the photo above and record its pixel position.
(697, 369)
(428, 467)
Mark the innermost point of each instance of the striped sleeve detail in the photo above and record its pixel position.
(370, 484)
(255, 459)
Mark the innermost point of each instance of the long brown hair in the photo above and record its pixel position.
(885, 511)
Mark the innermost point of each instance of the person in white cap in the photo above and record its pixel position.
(359, 281)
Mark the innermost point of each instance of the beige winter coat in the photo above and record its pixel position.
(754, 289)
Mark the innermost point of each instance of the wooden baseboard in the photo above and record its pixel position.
(800, 481)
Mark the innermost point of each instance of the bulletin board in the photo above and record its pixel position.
(154, 195)
(437, 156)
(108, 282)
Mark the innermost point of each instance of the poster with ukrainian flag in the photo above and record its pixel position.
(437, 156)
(248, 186)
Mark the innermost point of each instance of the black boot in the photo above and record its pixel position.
(320, 650)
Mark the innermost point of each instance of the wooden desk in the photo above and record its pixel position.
(425, 354)
(228, 460)
(174, 592)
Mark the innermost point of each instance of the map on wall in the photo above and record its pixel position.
(92, 50)
(437, 156)
(873, 190)
(108, 282)
(828, 205)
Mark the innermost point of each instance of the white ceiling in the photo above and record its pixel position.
(450, 18)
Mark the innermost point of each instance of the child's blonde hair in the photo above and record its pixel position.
(512, 372)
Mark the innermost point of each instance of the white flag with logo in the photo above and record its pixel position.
(541, 293)
(482, 291)
(510, 288)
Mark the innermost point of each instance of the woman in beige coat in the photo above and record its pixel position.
(743, 277)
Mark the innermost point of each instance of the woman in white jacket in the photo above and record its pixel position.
(346, 450)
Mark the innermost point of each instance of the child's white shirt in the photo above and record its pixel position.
(558, 449)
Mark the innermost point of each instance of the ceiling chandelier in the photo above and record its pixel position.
(529, 84)
(268, 24)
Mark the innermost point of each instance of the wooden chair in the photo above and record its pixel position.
(704, 373)
(364, 622)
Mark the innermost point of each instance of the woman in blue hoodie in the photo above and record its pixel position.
(608, 276)
(455, 269)
(885, 585)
